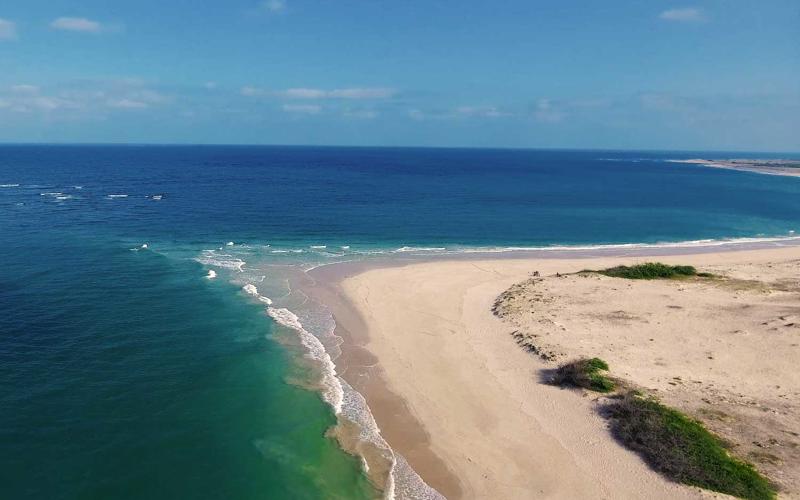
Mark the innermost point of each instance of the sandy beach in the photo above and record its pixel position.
(787, 168)
(456, 389)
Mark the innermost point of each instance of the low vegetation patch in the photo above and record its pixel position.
(586, 373)
(682, 449)
(651, 271)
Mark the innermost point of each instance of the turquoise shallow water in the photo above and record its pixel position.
(126, 373)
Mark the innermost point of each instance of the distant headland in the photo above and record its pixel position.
(770, 167)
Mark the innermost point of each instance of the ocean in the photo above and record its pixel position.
(152, 344)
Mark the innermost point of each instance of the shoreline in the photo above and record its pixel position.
(404, 427)
(361, 370)
(766, 167)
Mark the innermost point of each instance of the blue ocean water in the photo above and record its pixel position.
(151, 343)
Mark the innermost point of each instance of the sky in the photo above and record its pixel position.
(613, 74)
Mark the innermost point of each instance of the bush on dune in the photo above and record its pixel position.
(650, 271)
(682, 449)
(673, 444)
(584, 373)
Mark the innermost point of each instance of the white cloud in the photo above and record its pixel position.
(481, 111)
(53, 103)
(362, 93)
(210, 85)
(80, 24)
(307, 93)
(345, 93)
(80, 99)
(545, 111)
(25, 89)
(127, 104)
(274, 5)
(668, 104)
(591, 103)
(251, 91)
(28, 104)
(306, 109)
(144, 95)
(683, 15)
(303, 93)
(459, 113)
(8, 30)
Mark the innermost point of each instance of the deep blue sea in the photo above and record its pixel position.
(151, 343)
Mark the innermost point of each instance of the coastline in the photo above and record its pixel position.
(573, 454)
(765, 168)
(357, 366)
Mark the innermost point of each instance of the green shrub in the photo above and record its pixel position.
(683, 450)
(584, 373)
(649, 271)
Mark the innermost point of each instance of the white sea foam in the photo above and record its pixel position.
(229, 244)
(216, 259)
(420, 249)
(157, 197)
(408, 484)
(345, 247)
(144, 246)
(789, 238)
(630, 160)
(332, 391)
(211, 274)
(319, 247)
(625, 246)
(57, 195)
(252, 290)
(9, 185)
(115, 196)
(403, 482)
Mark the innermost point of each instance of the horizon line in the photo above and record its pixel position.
(357, 146)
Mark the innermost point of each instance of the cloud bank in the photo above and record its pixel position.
(85, 100)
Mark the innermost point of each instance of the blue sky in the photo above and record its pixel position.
(717, 74)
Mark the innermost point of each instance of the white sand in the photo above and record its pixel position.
(479, 396)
